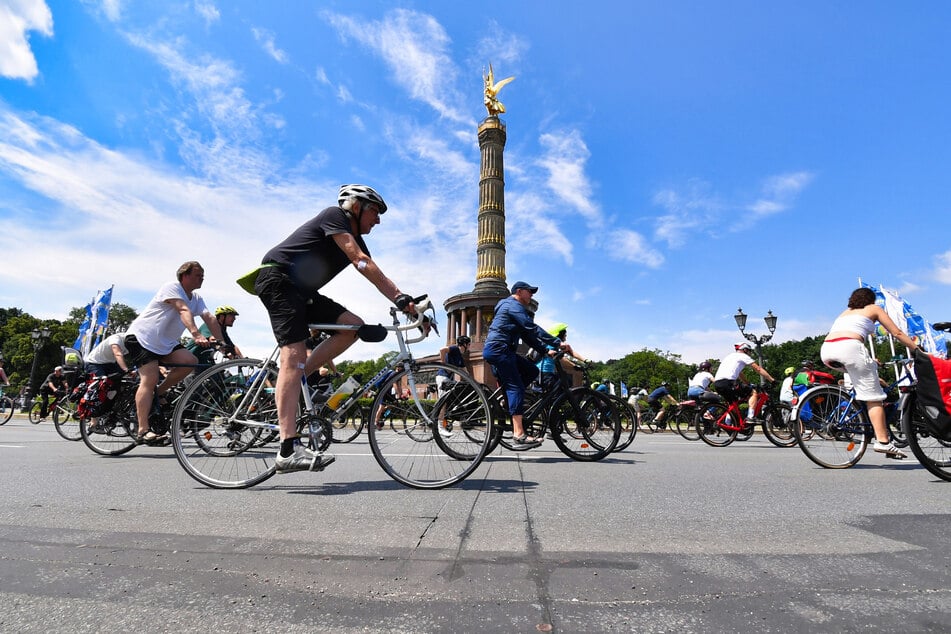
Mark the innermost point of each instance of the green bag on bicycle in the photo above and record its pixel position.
(247, 280)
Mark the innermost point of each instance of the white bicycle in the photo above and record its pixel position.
(225, 431)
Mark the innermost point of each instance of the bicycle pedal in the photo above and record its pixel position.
(896, 456)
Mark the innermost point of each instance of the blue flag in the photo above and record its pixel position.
(84, 327)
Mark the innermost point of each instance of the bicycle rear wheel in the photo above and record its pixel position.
(114, 432)
(830, 427)
(220, 422)
(713, 422)
(933, 453)
(350, 426)
(34, 414)
(424, 464)
(66, 420)
(6, 409)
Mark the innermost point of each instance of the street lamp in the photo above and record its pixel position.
(770, 320)
(40, 336)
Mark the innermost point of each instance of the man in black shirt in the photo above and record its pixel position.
(54, 384)
(288, 283)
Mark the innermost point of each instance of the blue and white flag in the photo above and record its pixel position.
(94, 325)
(931, 341)
(623, 390)
(84, 327)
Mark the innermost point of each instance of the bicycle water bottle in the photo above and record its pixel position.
(341, 393)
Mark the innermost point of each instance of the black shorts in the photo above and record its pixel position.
(291, 308)
(140, 355)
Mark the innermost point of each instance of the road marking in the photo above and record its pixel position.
(12, 446)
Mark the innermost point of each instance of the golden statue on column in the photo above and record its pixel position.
(492, 88)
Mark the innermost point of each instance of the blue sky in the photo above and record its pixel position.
(666, 162)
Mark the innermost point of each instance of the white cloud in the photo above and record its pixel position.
(17, 18)
(691, 210)
(501, 47)
(629, 246)
(942, 271)
(415, 47)
(266, 39)
(565, 156)
(207, 11)
(778, 193)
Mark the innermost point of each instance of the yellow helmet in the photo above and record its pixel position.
(556, 329)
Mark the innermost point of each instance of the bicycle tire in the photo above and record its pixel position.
(34, 413)
(830, 428)
(66, 420)
(710, 423)
(214, 442)
(932, 452)
(426, 465)
(349, 426)
(587, 432)
(114, 432)
(6, 409)
(776, 425)
(628, 424)
(458, 411)
(645, 421)
(686, 423)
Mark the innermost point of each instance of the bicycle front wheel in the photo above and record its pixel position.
(585, 425)
(414, 457)
(932, 452)
(66, 420)
(830, 427)
(35, 413)
(776, 425)
(221, 421)
(685, 422)
(6, 409)
(628, 424)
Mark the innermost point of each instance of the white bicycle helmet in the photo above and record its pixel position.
(744, 346)
(364, 192)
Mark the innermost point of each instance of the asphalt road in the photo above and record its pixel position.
(668, 536)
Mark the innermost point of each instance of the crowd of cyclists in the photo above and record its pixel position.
(289, 281)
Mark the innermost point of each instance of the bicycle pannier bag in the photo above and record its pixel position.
(99, 397)
(934, 393)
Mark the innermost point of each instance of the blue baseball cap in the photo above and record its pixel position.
(528, 287)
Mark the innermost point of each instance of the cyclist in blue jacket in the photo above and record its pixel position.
(513, 322)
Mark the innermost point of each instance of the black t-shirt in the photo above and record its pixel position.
(58, 381)
(311, 256)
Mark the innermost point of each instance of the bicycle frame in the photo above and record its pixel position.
(403, 358)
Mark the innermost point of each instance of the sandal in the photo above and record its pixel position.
(523, 442)
(151, 439)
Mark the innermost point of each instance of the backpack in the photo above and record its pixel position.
(934, 393)
(98, 398)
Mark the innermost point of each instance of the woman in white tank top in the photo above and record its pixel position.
(844, 348)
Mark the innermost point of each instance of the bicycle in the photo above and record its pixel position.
(719, 424)
(6, 407)
(114, 432)
(224, 429)
(933, 450)
(832, 427)
(62, 409)
(583, 422)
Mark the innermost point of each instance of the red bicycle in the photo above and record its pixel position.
(720, 423)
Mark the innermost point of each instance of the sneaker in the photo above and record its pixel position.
(889, 449)
(445, 433)
(522, 444)
(303, 459)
